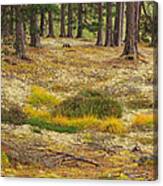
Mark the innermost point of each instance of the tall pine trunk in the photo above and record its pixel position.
(130, 48)
(80, 26)
(51, 26)
(108, 39)
(20, 34)
(154, 41)
(122, 22)
(118, 22)
(69, 32)
(34, 30)
(62, 31)
(11, 20)
(137, 17)
(99, 34)
(42, 23)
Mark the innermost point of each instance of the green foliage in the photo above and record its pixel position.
(89, 103)
(13, 114)
(42, 124)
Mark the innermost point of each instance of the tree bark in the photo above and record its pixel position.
(99, 34)
(122, 22)
(137, 17)
(80, 26)
(42, 23)
(69, 32)
(34, 30)
(108, 40)
(118, 22)
(154, 42)
(51, 26)
(11, 20)
(20, 34)
(62, 31)
(130, 49)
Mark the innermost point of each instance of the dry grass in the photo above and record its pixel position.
(143, 121)
(113, 125)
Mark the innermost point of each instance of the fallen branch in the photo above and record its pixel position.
(62, 157)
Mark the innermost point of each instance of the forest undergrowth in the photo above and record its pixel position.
(78, 112)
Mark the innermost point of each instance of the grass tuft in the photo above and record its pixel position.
(41, 97)
(113, 125)
(143, 121)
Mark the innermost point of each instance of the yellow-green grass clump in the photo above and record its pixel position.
(32, 112)
(81, 122)
(112, 125)
(41, 97)
(144, 121)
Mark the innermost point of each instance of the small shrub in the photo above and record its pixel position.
(42, 124)
(113, 125)
(14, 114)
(41, 97)
(32, 112)
(88, 103)
(143, 121)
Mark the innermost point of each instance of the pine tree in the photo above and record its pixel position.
(108, 40)
(99, 34)
(80, 26)
(20, 38)
(69, 32)
(62, 30)
(130, 49)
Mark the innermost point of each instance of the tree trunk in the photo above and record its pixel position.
(80, 26)
(51, 29)
(42, 23)
(130, 49)
(155, 26)
(11, 20)
(62, 31)
(108, 40)
(20, 35)
(140, 10)
(118, 21)
(122, 22)
(69, 32)
(137, 17)
(34, 30)
(99, 34)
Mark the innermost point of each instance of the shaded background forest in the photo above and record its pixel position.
(111, 24)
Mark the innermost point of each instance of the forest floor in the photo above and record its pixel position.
(88, 153)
